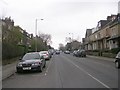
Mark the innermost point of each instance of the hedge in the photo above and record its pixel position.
(10, 50)
(115, 50)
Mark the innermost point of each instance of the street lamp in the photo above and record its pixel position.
(71, 37)
(36, 31)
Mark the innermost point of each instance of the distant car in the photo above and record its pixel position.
(67, 52)
(117, 60)
(51, 51)
(31, 62)
(57, 52)
(46, 55)
(81, 53)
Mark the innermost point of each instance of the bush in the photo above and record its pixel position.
(94, 53)
(110, 55)
(10, 50)
(115, 50)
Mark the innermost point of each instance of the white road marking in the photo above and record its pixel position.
(88, 73)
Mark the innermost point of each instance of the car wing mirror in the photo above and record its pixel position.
(20, 58)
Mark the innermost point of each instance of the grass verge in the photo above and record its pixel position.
(9, 61)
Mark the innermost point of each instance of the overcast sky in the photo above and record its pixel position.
(61, 17)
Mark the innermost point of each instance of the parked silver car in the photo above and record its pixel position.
(57, 52)
(46, 55)
(117, 60)
(75, 53)
(67, 52)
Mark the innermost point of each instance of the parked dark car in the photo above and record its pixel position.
(67, 52)
(81, 53)
(31, 62)
(117, 60)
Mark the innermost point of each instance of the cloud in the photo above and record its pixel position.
(60, 16)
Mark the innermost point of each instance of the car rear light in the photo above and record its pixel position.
(46, 54)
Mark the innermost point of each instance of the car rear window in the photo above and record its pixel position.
(44, 52)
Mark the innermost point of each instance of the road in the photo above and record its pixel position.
(66, 71)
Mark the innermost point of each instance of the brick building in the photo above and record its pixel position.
(105, 36)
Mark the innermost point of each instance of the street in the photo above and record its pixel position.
(67, 71)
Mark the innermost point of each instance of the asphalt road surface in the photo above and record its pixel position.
(66, 71)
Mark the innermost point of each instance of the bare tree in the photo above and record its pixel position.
(61, 47)
(46, 38)
(68, 39)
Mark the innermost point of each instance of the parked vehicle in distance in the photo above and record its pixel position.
(75, 53)
(117, 60)
(80, 53)
(67, 52)
(57, 52)
(46, 55)
(31, 62)
(51, 51)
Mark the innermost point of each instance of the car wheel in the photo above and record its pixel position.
(117, 65)
(18, 71)
(40, 69)
(44, 65)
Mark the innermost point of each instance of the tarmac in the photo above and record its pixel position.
(10, 69)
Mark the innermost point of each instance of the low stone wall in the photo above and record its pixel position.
(109, 55)
(103, 54)
(93, 53)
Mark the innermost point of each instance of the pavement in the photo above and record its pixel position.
(8, 70)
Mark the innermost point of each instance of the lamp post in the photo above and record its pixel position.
(71, 41)
(36, 20)
(71, 37)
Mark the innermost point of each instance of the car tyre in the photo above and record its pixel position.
(40, 69)
(117, 65)
(18, 71)
(84, 55)
(44, 65)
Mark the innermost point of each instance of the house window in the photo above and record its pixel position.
(114, 42)
(96, 36)
(113, 32)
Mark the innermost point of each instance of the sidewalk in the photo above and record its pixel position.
(101, 58)
(8, 70)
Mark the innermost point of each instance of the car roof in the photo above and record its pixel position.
(33, 53)
(43, 51)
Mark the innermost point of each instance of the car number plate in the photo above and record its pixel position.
(27, 68)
